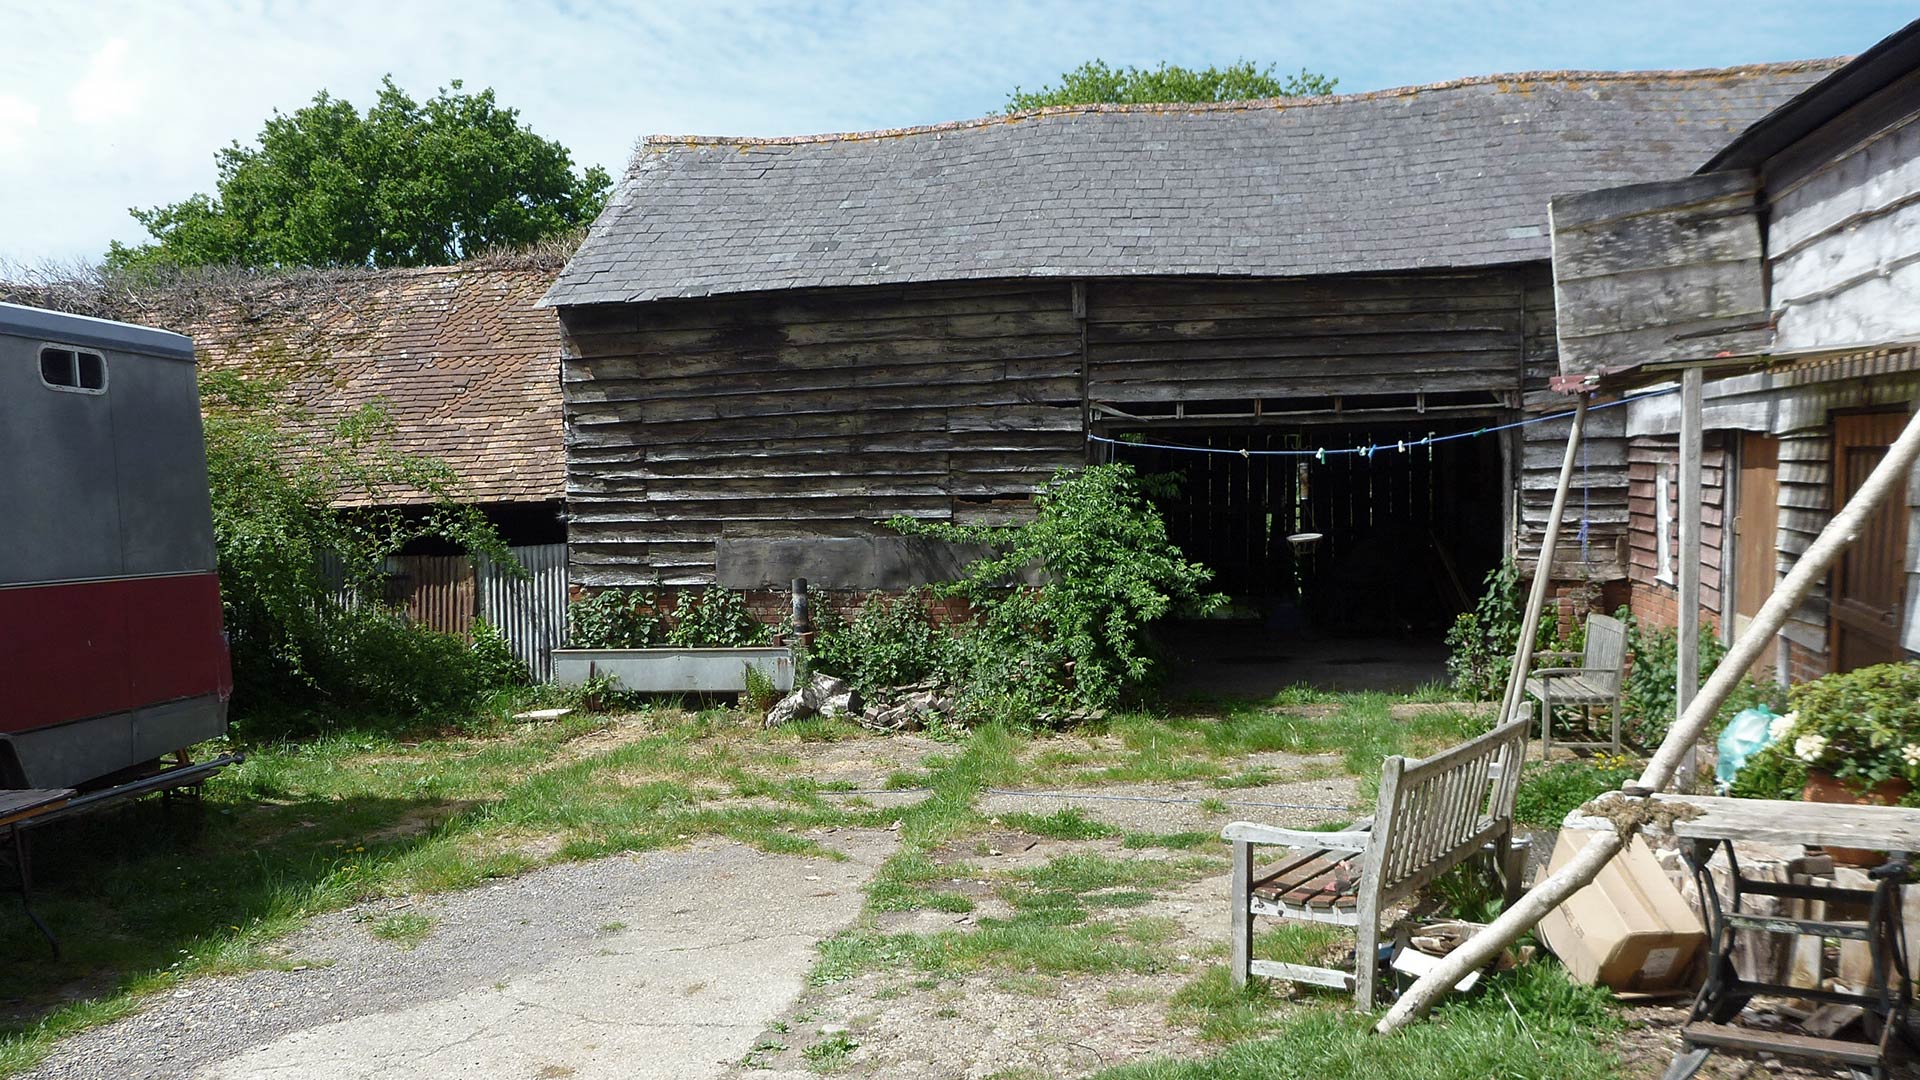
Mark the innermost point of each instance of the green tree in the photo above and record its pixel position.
(407, 184)
(274, 477)
(1095, 83)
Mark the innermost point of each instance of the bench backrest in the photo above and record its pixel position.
(1606, 653)
(1435, 812)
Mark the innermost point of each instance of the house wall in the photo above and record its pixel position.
(1655, 594)
(1794, 403)
(1843, 234)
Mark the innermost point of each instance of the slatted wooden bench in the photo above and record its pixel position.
(1432, 815)
(1595, 684)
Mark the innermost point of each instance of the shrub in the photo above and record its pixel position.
(615, 618)
(889, 642)
(1079, 638)
(1482, 641)
(715, 618)
(1647, 694)
(1863, 726)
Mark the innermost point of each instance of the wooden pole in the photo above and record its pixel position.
(1687, 679)
(1543, 570)
(1840, 531)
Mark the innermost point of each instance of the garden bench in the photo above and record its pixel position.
(1432, 815)
(1595, 683)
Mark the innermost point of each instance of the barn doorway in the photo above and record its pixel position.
(1354, 560)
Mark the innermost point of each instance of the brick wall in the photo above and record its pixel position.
(1654, 602)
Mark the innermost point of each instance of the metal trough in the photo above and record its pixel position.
(675, 671)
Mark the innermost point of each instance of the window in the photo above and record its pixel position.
(73, 369)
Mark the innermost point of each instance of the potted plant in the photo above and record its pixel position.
(1850, 738)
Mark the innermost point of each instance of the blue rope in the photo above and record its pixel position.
(1320, 453)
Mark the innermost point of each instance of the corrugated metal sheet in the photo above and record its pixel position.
(530, 611)
(449, 592)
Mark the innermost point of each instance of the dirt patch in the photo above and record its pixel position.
(1191, 805)
(978, 1026)
(1407, 710)
(864, 763)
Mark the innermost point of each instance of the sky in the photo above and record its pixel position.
(107, 105)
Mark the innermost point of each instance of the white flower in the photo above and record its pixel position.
(1782, 726)
(1808, 748)
(1911, 754)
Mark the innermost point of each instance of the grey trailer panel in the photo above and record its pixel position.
(166, 524)
(59, 494)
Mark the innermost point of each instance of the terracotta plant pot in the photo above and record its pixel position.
(1823, 786)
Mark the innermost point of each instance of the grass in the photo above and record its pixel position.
(1549, 792)
(406, 929)
(830, 1053)
(151, 894)
(1530, 1023)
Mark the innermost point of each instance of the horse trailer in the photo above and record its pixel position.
(113, 658)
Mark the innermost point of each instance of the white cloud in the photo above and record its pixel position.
(18, 119)
(104, 93)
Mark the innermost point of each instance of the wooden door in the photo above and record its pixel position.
(1870, 582)
(1756, 498)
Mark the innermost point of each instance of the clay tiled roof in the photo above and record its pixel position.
(1451, 175)
(461, 358)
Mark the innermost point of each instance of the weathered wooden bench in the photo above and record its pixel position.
(1594, 684)
(1432, 815)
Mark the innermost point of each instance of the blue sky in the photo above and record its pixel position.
(108, 105)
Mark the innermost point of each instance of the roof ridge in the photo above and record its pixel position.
(662, 142)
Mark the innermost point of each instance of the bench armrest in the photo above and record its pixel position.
(1255, 833)
(1556, 654)
(1545, 672)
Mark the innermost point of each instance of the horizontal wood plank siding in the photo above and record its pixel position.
(818, 413)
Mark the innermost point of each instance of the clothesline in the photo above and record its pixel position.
(1399, 446)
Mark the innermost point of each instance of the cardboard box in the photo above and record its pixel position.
(1629, 929)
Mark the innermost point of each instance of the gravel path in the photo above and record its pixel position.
(663, 964)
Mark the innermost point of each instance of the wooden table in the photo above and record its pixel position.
(1717, 824)
(17, 807)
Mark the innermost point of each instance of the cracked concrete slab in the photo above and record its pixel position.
(663, 964)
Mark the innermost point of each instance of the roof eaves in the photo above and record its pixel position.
(1890, 58)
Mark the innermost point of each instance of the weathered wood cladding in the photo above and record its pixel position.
(824, 412)
(1660, 272)
(1188, 339)
(1651, 456)
(1843, 244)
(810, 413)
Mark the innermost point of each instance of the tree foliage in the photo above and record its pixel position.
(276, 531)
(1094, 82)
(407, 184)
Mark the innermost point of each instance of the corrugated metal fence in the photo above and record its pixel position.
(449, 592)
(532, 611)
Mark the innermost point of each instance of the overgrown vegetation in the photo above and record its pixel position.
(1481, 642)
(632, 618)
(297, 650)
(1862, 726)
(1079, 638)
(1549, 792)
(888, 642)
(1096, 82)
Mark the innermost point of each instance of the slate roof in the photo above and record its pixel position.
(1456, 174)
(462, 359)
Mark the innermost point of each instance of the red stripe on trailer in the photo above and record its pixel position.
(90, 648)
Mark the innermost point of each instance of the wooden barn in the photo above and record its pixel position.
(1785, 275)
(772, 345)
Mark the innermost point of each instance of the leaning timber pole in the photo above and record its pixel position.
(1543, 569)
(1825, 550)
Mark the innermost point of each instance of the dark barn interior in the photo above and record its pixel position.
(1404, 535)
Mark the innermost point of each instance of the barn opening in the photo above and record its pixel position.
(1321, 551)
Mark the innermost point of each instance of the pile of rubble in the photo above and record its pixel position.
(903, 708)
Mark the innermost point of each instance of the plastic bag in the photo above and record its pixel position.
(1744, 736)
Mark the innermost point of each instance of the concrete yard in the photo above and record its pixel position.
(662, 964)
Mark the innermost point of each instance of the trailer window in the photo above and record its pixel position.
(73, 369)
